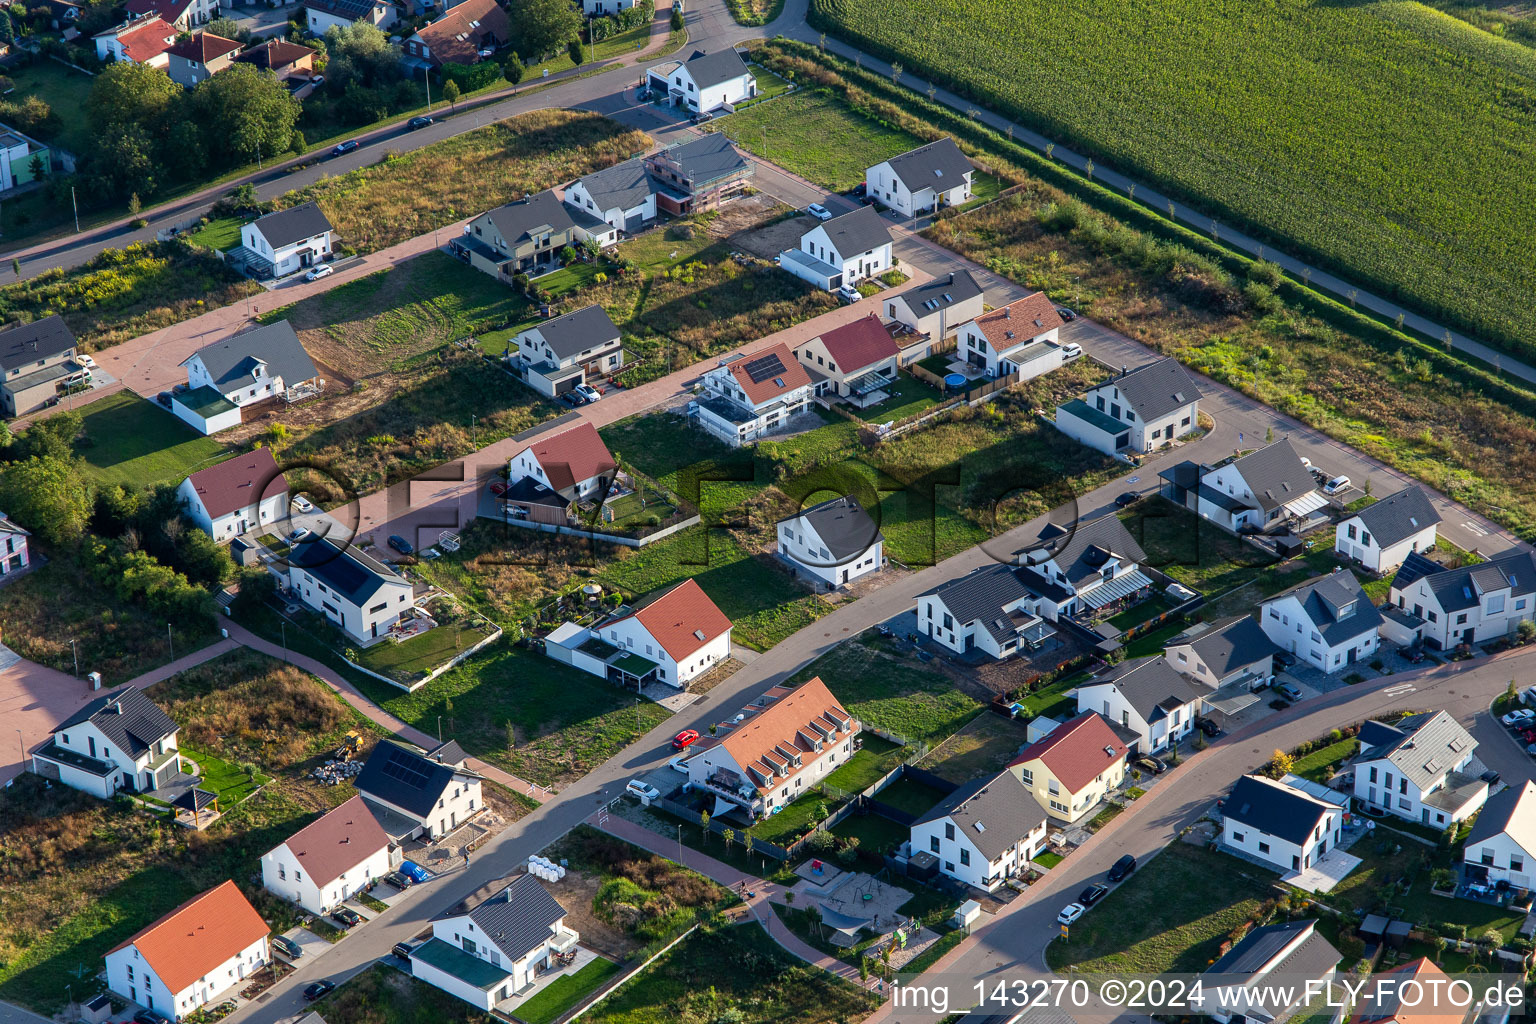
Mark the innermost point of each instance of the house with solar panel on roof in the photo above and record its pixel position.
(751, 396)
(123, 742)
(1384, 533)
(1140, 410)
(927, 178)
(355, 591)
(488, 948)
(834, 542)
(1469, 604)
(413, 793)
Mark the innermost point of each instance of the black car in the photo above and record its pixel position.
(164, 398)
(1065, 313)
(346, 916)
(420, 122)
(401, 545)
(151, 1017)
(1091, 895)
(1123, 868)
(1208, 726)
(572, 399)
(1127, 499)
(402, 950)
(1490, 776)
(399, 880)
(702, 116)
(1279, 705)
(1285, 659)
(318, 989)
(1148, 763)
(345, 147)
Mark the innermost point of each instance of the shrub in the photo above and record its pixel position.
(470, 77)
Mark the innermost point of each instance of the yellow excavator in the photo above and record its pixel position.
(351, 745)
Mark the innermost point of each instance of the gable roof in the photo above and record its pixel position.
(707, 158)
(233, 484)
(143, 41)
(1462, 588)
(578, 331)
(682, 618)
(1077, 751)
(271, 54)
(1018, 322)
(623, 186)
(570, 457)
(941, 293)
(517, 221)
(980, 596)
(1324, 597)
(1399, 516)
(9, 525)
(707, 69)
(844, 526)
(1230, 645)
(515, 918)
(855, 232)
(338, 841)
(24, 344)
(349, 10)
(993, 813)
(232, 361)
(1422, 747)
(939, 165)
(858, 344)
(768, 373)
(1275, 808)
(1275, 474)
(1151, 686)
(204, 47)
(408, 779)
(1292, 949)
(459, 33)
(1156, 389)
(198, 936)
(130, 720)
(1082, 553)
(765, 737)
(1510, 811)
(1384, 1000)
(283, 227)
(351, 573)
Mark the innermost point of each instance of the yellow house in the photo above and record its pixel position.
(1073, 768)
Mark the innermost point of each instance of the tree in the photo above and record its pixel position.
(51, 438)
(541, 27)
(676, 21)
(124, 160)
(1280, 763)
(133, 94)
(729, 835)
(1511, 696)
(203, 559)
(134, 205)
(228, 28)
(48, 496)
(451, 92)
(6, 437)
(513, 69)
(704, 825)
(577, 51)
(245, 114)
(1525, 632)
(360, 53)
(7, 30)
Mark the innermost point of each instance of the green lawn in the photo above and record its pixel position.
(135, 442)
(565, 992)
(868, 765)
(419, 655)
(1194, 552)
(619, 45)
(875, 834)
(1154, 641)
(222, 233)
(907, 794)
(228, 781)
(794, 820)
(898, 694)
(1049, 859)
(909, 396)
(1385, 859)
(1311, 766)
(63, 89)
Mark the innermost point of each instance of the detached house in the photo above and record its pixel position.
(14, 555)
(1255, 492)
(527, 237)
(120, 742)
(1329, 621)
(704, 82)
(842, 251)
(467, 33)
(321, 15)
(1419, 769)
(236, 496)
(1018, 338)
(1139, 411)
(1265, 977)
(937, 308)
(1502, 845)
(1384, 533)
(141, 40)
(486, 950)
(560, 354)
(984, 832)
(751, 396)
(1232, 653)
(679, 632)
(623, 196)
(992, 609)
(183, 15)
(927, 178)
(558, 471)
(329, 860)
(286, 60)
(419, 794)
(1147, 697)
(191, 956)
(200, 58)
(835, 542)
(37, 364)
(1277, 823)
(856, 361)
(1433, 999)
(1074, 767)
(1471, 604)
(286, 241)
(255, 366)
(698, 175)
(775, 750)
(1090, 568)
(351, 589)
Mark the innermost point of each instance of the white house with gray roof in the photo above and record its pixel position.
(1469, 604)
(704, 82)
(1384, 533)
(286, 241)
(1140, 410)
(1284, 825)
(994, 609)
(1233, 654)
(936, 308)
(834, 542)
(841, 251)
(624, 196)
(984, 832)
(1502, 845)
(1419, 769)
(1149, 698)
(557, 355)
(249, 367)
(1327, 622)
(351, 589)
(123, 741)
(1265, 977)
(420, 793)
(484, 950)
(1087, 567)
(927, 178)
(1257, 491)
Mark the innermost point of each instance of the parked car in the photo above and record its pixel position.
(1066, 314)
(303, 504)
(587, 391)
(86, 361)
(679, 764)
(1127, 499)
(1122, 869)
(1530, 748)
(1290, 691)
(316, 273)
(346, 917)
(685, 739)
(164, 398)
(345, 147)
(858, 191)
(399, 879)
(1491, 777)
(402, 950)
(401, 545)
(415, 872)
(1091, 895)
(643, 790)
(1285, 659)
(1071, 350)
(1337, 484)
(1069, 913)
(298, 535)
(573, 398)
(151, 1017)
(1518, 716)
(1208, 726)
(286, 946)
(1148, 763)
(420, 122)
(848, 293)
(430, 555)
(819, 212)
(1414, 654)
(702, 117)
(318, 989)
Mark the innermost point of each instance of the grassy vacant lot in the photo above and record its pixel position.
(1263, 134)
(78, 875)
(895, 693)
(1167, 917)
(415, 192)
(383, 995)
(761, 981)
(410, 659)
(980, 749)
(134, 442)
(868, 764)
(811, 134)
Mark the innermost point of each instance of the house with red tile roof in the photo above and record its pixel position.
(750, 396)
(181, 14)
(284, 59)
(1021, 338)
(1072, 768)
(466, 31)
(237, 495)
(669, 636)
(1430, 1000)
(856, 361)
(200, 57)
(775, 750)
(191, 956)
(143, 40)
(558, 470)
(329, 859)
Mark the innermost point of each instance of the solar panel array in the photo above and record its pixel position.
(763, 368)
(406, 769)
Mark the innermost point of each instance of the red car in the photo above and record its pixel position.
(684, 738)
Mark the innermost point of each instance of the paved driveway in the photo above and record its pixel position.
(33, 700)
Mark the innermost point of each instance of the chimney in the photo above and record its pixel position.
(1124, 369)
(951, 277)
(1007, 312)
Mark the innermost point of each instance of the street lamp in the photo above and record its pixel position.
(439, 728)
(679, 845)
(22, 745)
(170, 640)
(76, 654)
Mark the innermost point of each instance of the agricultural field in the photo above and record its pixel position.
(1257, 114)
